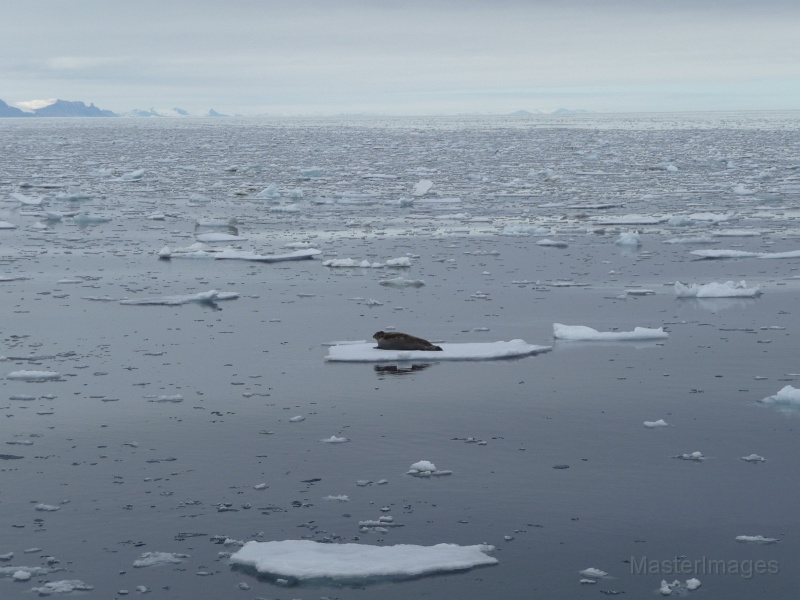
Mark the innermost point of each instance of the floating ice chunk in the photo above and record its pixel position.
(132, 175)
(593, 573)
(756, 539)
(692, 584)
(422, 467)
(46, 507)
(196, 198)
(153, 559)
(7, 225)
(64, 586)
(666, 588)
(629, 238)
(368, 352)
(350, 263)
(21, 575)
(716, 254)
(640, 292)
(216, 237)
(88, 218)
(584, 333)
(702, 239)
(654, 424)
(335, 440)
(754, 458)
(524, 230)
(286, 208)
(201, 298)
(401, 262)
(340, 498)
(271, 191)
(166, 398)
(552, 243)
(300, 561)
(34, 375)
(786, 396)
(297, 419)
(422, 187)
(630, 220)
(729, 289)
(231, 254)
(27, 200)
(401, 282)
(741, 190)
(680, 221)
(713, 217)
(736, 233)
(778, 255)
(695, 456)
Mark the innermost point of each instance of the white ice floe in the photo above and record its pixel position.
(339, 498)
(88, 218)
(720, 254)
(46, 507)
(299, 561)
(216, 237)
(230, 254)
(756, 539)
(27, 200)
(786, 396)
(736, 233)
(400, 282)
(654, 424)
(524, 230)
(629, 238)
(154, 559)
(584, 333)
(7, 225)
(696, 456)
(552, 243)
(403, 261)
(629, 220)
(202, 298)
(335, 440)
(701, 239)
(425, 468)
(34, 375)
(729, 289)
(593, 573)
(422, 187)
(753, 458)
(368, 352)
(64, 586)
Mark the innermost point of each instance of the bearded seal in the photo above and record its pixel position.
(394, 340)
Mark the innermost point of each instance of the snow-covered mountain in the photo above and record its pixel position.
(53, 108)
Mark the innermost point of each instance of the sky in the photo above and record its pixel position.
(404, 57)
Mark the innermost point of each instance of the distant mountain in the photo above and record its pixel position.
(212, 113)
(525, 113)
(65, 108)
(10, 111)
(171, 112)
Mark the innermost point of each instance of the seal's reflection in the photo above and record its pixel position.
(399, 370)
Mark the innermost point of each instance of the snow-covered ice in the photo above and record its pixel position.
(585, 333)
(368, 352)
(756, 539)
(34, 375)
(300, 561)
(729, 289)
(200, 298)
(154, 559)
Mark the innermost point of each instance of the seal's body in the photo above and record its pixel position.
(395, 340)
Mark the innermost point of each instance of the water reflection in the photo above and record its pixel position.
(399, 369)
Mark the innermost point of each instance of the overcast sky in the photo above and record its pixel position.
(403, 56)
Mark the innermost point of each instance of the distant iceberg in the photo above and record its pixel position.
(303, 561)
(584, 333)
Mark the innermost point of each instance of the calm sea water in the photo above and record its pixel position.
(131, 474)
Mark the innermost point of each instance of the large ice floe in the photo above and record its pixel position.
(368, 352)
(729, 289)
(201, 250)
(304, 561)
(787, 397)
(587, 334)
(720, 254)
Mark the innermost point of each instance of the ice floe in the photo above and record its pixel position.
(64, 586)
(302, 561)
(655, 424)
(230, 254)
(425, 468)
(201, 298)
(729, 289)
(629, 238)
(34, 375)
(368, 352)
(400, 282)
(696, 456)
(584, 333)
(154, 559)
(753, 458)
(720, 254)
(756, 539)
(787, 396)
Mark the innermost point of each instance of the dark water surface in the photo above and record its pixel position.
(131, 475)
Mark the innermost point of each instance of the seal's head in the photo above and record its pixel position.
(378, 335)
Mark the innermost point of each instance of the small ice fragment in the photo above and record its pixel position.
(21, 575)
(339, 498)
(151, 559)
(757, 539)
(46, 508)
(33, 375)
(692, 584)
(593, 573)
(654, 424)
(335, 440)
(260, 486)
(753, 458)
(696, 456)
(297, 419)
